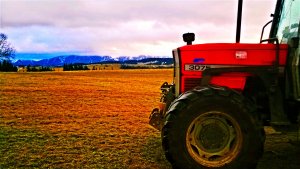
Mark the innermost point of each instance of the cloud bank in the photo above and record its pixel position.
(126, 27)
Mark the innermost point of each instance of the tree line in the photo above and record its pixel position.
(7, 66)
(71, 67)
(38, 69)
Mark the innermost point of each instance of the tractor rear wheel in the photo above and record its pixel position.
(212, 128)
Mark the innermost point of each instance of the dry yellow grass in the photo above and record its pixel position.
(93, 119)
(80, 119)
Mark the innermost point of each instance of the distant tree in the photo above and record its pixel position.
(70, 67)
(6, 49)
(34, 69)
(31, 68)
(45, 69)
(75, 67)
(7, 66)
(28, 68)
(7, 52)
(65, 67)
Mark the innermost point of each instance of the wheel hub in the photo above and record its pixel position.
(213, 139)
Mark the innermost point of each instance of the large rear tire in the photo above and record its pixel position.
(212, 128)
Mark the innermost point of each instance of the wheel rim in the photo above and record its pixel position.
(214, 139)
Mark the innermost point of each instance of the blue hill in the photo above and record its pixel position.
(77, 59)
(61, 60)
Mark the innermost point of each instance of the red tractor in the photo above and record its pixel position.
(223, 94)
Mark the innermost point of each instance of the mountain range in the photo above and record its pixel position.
(76, 59)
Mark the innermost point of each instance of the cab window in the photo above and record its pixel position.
(289, 21)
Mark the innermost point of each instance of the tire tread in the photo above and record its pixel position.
(191, 96)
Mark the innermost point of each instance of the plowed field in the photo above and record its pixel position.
(95, 120)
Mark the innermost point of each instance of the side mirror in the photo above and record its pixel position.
(188, 38)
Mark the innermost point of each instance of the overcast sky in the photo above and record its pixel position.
(126, 27)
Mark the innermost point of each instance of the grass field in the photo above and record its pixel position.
(94, 120)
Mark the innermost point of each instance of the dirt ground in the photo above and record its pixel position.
(282, 150)
(96, 120)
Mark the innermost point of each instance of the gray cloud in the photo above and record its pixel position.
(76, 13)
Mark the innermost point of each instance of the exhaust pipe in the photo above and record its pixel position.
(239, 21)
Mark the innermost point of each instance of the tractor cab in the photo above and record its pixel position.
(286, 28)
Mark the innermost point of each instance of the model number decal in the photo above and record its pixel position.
(192, 67)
